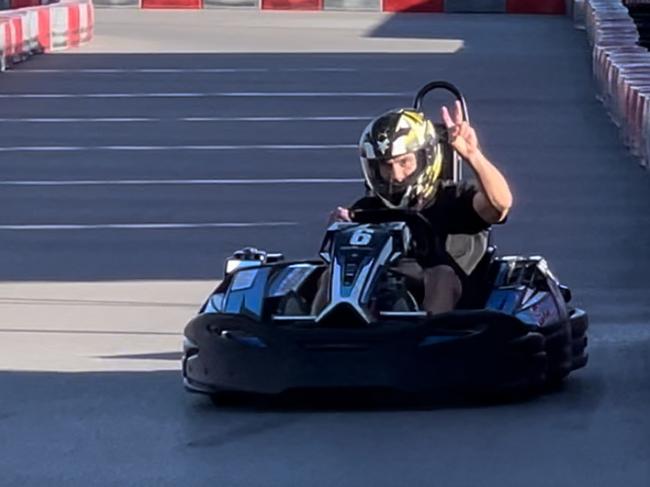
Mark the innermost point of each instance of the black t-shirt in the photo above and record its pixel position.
(451, 212)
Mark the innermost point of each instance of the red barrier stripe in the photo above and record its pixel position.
(536, 7)
(193, 4)
(413, 6)
(292, 4)
(23, 3)
(74, 25)
(7, 36)
(44, 38)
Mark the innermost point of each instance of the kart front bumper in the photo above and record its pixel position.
(463, 349)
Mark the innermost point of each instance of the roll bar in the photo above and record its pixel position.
(457, 170)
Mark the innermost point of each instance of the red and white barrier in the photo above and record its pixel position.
(31, 30)
(172, 4)
(621, 70)
(14, 4)
(557, 7)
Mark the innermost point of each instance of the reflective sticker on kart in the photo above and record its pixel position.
(243, 280)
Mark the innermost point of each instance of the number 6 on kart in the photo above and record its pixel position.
(361, 237)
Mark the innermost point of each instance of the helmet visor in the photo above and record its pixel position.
(394, 179)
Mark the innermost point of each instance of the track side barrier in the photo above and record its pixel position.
(32, 30)
(621, 68)
(553, 7)
(172, 4)
(16, 4)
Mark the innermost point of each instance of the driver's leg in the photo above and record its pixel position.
(442, 289)
(321, 298)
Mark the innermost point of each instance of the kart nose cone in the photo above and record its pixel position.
(342, 315)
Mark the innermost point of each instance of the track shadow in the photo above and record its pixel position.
(145, 420)
(474, 30)
(172, 356)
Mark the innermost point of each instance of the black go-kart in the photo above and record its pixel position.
(514, 327)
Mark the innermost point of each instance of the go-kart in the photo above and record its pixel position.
(258, 331)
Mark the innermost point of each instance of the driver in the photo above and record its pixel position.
(401, 157)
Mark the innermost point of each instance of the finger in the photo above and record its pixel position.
(453, 133)
(458, 113)
(449, 123)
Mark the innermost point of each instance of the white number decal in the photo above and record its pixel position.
(363, 236)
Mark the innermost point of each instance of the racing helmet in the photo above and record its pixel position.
(395, 133)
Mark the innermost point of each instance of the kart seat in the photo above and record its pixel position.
(468, 250)
(473, 254)
(477, 283)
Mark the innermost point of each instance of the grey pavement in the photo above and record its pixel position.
(92, 318)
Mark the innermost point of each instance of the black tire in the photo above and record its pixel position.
(579, 325)
(579, 322)
(579, 346)
(558, 338)
(559, 350)
(530, 343)
(579, 362)
(542, 359)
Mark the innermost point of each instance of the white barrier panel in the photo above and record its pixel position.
(3, 30)
(32, 29)
(59, 27)
(358, 5)
(86, 21)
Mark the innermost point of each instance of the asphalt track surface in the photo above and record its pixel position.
(94, 300)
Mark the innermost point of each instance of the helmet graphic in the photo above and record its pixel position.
(393, 134)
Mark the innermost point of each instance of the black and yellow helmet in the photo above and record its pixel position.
(395, 133)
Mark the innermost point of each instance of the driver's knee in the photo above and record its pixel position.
(321, 297)
(442, 289)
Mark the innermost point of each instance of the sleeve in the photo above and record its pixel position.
(461, 215)
(367, 203)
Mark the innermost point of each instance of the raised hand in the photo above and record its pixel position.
(462, 136)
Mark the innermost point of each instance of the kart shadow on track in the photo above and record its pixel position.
(350, 400)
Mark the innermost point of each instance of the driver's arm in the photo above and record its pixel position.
(342, 214)
(494, 200)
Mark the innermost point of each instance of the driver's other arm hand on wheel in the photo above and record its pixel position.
(340, 215)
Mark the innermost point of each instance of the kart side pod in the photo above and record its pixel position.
(250, 257)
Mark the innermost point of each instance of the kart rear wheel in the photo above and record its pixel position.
(558, 346)
(579, 321)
